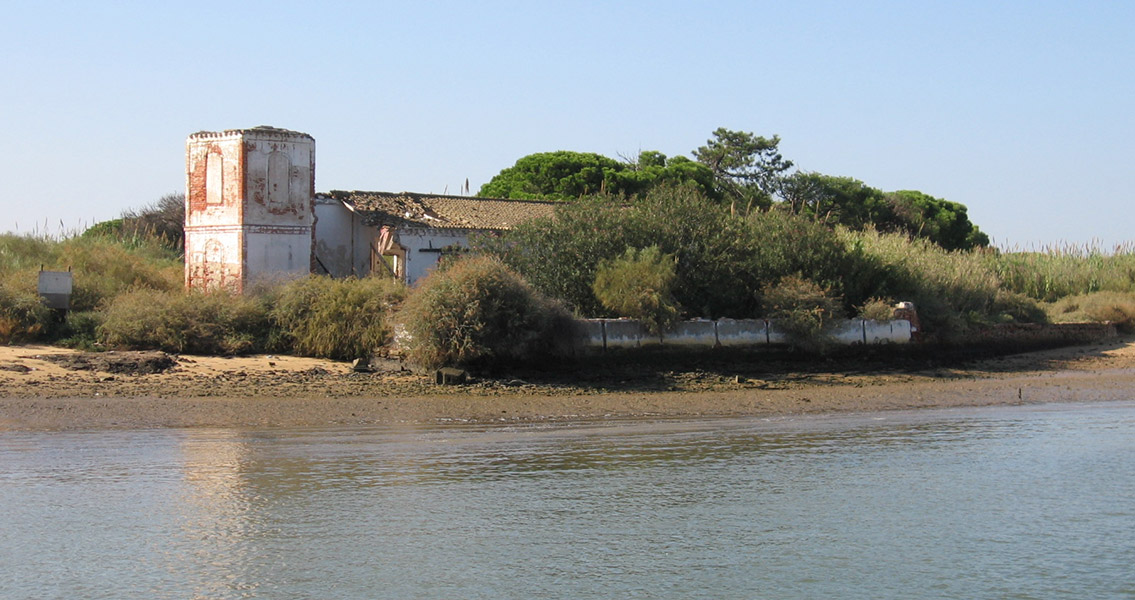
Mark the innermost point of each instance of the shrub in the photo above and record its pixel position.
(477, 312)
(80, 330)
(22, 316)
(1011, 307)
(341, 319)
(722, 259)
(877, 309)
(639, 285)
(804, 311)
(1116, 307)
(191, 322)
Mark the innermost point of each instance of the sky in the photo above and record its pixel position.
(1022, 111)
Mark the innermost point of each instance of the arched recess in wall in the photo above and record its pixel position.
(214, 178)
(213, 265)
(279, 179)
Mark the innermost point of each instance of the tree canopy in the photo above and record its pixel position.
(566, 175)
(851, 203)
(747, 173)
(747, 168)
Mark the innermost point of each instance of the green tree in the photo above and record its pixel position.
(747, 168)
(855, 205)
(835, 200)
(566, 175)
(639, 285)
(943, 222)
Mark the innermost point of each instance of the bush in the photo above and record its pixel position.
(23, 317)
(1011, 307)
(804, 311)
(191, 322)
(80, 330)
(877, 309)
(341, 319)
(477, 312)
(1114, 307)
(722, 259)
(639, 285)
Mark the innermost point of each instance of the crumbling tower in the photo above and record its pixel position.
(249, 207)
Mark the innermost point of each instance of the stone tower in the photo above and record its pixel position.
(249, 207)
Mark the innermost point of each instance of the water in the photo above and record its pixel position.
(1025, 502)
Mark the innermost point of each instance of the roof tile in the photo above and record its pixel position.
(454, 212)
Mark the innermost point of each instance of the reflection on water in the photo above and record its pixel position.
(1021, 502)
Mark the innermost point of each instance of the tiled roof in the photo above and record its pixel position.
(458, 212)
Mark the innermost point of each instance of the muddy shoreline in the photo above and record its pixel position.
(46, 388)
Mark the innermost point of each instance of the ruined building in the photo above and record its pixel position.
(252, 214)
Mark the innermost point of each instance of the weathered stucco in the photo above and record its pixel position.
(249, 207)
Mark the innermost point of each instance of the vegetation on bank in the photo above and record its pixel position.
(673, 254)
(733, 232)
(746, 174)
(476, 311)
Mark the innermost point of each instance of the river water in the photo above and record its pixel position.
(1016, 502)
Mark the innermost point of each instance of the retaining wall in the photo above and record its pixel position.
(628, 333)
(1032, 334)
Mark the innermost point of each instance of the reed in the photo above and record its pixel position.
(1061, 270)
(951, 289)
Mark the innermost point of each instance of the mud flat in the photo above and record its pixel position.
(47, 388)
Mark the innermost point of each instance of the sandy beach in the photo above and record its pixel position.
(48, 388)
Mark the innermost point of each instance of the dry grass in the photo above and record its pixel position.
(1114, 307)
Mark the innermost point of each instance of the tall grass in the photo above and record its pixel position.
(1056, 272)
(102, 268)
(951, 289)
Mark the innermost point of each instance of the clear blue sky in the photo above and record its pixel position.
(1022, 111)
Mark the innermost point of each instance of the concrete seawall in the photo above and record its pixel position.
(703, 333)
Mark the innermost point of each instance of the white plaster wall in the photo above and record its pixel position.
(702, 333)
(418, 243)
(297, 210)
(887, 332)
(213, 257)
(849, 332)
(629, 333)
(272, 256)
(742, 332)
(342, 241)
(591, 331)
